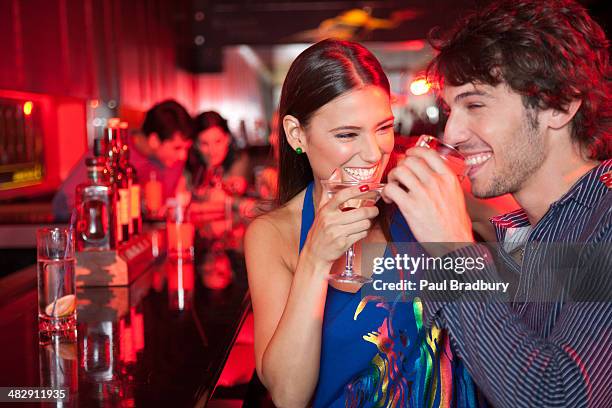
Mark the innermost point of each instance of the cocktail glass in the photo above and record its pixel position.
(367, 199)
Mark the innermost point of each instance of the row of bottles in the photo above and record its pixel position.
(108, 203)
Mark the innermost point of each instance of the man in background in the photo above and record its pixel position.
(159, 151)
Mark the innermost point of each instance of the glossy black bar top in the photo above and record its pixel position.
(162, 341)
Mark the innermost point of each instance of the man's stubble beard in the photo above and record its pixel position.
(524, 154)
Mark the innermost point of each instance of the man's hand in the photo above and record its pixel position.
(429, 195)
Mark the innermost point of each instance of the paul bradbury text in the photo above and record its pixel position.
(445, 285)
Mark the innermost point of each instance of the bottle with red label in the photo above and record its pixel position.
(132, 182)
(122, 183)
(111, 154)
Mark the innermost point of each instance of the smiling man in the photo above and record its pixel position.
(527, 89)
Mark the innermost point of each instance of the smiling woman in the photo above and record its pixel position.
(318, 342)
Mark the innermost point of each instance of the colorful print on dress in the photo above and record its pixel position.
(402, 374)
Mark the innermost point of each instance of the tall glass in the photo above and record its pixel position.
(56, 284)
(367, 199)
(454, 159)
(180, 232)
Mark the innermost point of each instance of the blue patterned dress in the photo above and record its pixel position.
(376, 353)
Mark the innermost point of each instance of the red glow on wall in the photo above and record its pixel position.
(414, 45)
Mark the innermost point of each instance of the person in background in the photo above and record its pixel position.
(159, 151)
(320, 343)
(215, 175)
(527, 86)
(267, 179)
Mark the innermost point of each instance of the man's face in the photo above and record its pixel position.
(173, 150)
(500, 138)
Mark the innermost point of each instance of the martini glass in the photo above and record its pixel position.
(454, 159)
(367, 199)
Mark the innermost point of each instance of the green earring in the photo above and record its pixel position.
(299, 150)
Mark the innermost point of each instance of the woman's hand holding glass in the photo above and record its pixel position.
(334, 231)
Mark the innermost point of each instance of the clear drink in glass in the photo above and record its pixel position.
(56, 268)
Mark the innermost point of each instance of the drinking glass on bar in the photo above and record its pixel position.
(180, 231)
(56, 284)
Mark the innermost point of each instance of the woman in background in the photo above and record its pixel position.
(214, 158)
(216, 176)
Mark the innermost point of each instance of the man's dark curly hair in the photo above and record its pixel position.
(166, 118)
(549, 51)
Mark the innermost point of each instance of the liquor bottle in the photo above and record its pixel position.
(95, 203)
(122, 183)
(112, 151)
(132, 177)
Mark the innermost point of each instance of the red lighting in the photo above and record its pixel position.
(27, 108)
(114, 122)
(419, 86)
(414, 45)
(94, 103)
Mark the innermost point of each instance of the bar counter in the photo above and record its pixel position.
(161, 341)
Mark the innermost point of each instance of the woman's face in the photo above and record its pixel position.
(214, 144)
(353, 132)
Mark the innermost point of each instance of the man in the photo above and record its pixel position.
(160, 149)
(527, 87)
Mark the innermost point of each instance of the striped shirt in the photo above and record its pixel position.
(543, 354)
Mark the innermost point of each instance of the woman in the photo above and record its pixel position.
(214, 157)
(216, 176)
(316, 341)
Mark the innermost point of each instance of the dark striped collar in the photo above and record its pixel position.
(587, 191)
